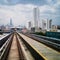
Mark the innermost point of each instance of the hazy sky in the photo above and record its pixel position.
(21, 11)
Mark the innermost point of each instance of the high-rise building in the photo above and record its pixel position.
(29, 25)
(49, 24)
(36, 18)
(46, 24)
(11, 24)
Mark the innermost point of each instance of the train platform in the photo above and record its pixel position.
(44, 51)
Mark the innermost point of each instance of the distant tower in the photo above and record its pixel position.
(43, 25)
(49, 24)
(36, 17)
(29, 25)
(11, 24)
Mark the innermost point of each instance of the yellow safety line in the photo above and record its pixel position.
(39, 51)
(49, 47)
(46, 46)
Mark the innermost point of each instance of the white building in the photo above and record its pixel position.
(36, 18)
(43, 24)
(49, 24)
(46, 24)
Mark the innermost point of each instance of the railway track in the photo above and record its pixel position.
(33, 54)
(17, 49)
(50, 42)
(45, 52)
(15, 52)
(20, 47)
(54, 40)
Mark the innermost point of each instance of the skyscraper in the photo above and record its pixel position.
(49, 24)
(11, 24)
(30, 25)
(46, 24)
(36, 17)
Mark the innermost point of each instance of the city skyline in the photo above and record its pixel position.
(21, 11)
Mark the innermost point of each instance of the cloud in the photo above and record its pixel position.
(51, 12)
(47, 8)
(14, 2)
(19, 13)
(22, 13)
(49, 1)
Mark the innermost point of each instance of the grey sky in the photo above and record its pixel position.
(21, 11)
